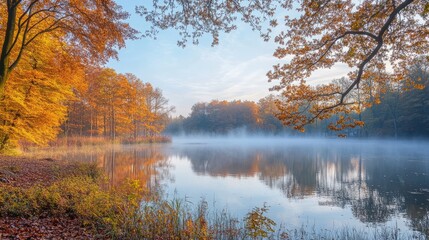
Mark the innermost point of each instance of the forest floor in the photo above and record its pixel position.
(26, 173)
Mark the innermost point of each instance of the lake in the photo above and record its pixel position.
(321, 183)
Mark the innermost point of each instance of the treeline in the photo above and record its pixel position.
(223, 117)
(402, 110)
(116, 105)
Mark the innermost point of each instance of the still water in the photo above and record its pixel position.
(322, 183)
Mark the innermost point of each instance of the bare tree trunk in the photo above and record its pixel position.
(113, 124)
(91, 123)
(104, 126)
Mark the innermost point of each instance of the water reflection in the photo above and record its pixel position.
(146, 163)
(375, 181)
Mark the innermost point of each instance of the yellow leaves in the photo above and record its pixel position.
(314, 5)
(302, 105)
(118, 105)
(344, 122)
(33, 108)
(351, 52)
(51, 44)
(346, 32)
(360, 123)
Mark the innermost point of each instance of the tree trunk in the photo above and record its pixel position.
(6, 47)
(2, 85)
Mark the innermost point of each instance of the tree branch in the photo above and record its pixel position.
(374, 52)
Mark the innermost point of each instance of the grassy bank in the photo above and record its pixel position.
(79, 141)
(76, 141)
(73, 200)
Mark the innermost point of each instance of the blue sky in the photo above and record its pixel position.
(233, 70)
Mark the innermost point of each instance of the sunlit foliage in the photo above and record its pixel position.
(114, 105)
(91, 29)
(33, 106)
(44, 48)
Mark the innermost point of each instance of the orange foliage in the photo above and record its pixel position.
(116, 105)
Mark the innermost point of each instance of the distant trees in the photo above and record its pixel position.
(222, 117)
(403, 110)
(116, 105)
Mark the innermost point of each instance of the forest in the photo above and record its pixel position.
(52, 76)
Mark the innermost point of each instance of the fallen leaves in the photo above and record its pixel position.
(26, 172)
(44, 228)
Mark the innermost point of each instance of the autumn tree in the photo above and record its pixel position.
(366, 36)
(92, 29)
(33, 108)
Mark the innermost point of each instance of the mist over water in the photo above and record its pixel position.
(322, 182)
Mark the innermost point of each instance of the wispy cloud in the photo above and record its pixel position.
(236, 69)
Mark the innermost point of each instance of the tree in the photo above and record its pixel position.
(363, 35)
(92, 29)
(33, 107)
(223, 117)
(158, 108)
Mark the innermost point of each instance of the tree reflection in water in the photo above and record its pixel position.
(376, 182)
(145, 163)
